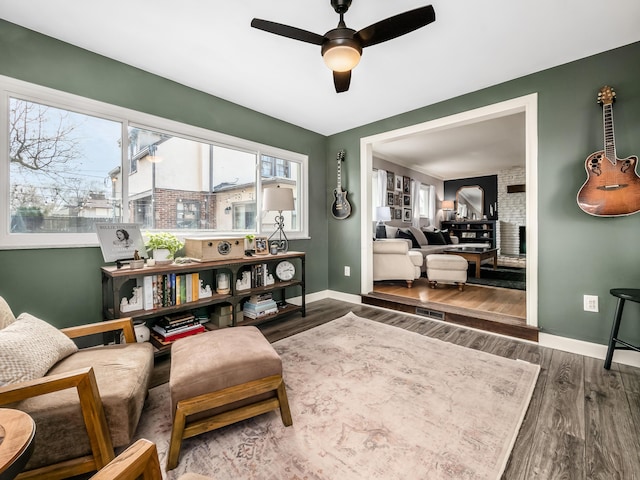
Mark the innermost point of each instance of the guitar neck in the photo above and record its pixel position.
(609, 139)
(340, 158)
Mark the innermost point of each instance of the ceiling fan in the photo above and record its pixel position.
(341, 47)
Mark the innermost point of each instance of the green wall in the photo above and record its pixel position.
(578, 254)
(63, 285)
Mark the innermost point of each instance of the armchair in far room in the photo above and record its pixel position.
(392, 260)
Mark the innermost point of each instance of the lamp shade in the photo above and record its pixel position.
(277, 199)
(447, 205)
(383, 214)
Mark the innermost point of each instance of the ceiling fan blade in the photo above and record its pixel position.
(342, 80)
(396, 26)
(287, 31)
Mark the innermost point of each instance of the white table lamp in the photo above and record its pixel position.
(280, 200)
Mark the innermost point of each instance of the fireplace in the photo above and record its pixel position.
(522, 239)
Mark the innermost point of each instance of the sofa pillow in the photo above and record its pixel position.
(403, 233)
(6, 315)
(435, 238)
(419, 236)
(29, 347)
(447, 237)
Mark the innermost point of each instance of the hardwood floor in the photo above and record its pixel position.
(498, 310)
(583, 421)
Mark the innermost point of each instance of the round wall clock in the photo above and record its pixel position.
(285, 270)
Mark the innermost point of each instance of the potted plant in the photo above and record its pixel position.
(164, 245)
(248, 242)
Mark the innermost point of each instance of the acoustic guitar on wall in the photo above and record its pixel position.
(612, 187)
(341, 208)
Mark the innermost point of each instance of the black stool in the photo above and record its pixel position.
(623, 294)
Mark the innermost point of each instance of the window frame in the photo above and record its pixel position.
(10, 87)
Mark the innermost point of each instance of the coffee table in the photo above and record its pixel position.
(476, 255)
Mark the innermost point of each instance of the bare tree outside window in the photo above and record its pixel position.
(59, 169)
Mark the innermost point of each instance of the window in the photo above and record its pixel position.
(59, 164)
(72, 162)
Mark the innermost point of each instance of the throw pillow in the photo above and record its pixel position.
(447, 237)
(435, 238)
(392, 232)
(407, 234)
(418, 235)
(29, 347)
(6, 315)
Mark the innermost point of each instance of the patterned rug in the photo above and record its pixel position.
(369, 401)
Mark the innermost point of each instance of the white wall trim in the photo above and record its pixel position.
(588, 349)
(527, 104)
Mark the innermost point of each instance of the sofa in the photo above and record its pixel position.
(84, 401)
(393, 260)
(427, 240)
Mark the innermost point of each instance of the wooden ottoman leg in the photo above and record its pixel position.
(285, 412)
(177, 432)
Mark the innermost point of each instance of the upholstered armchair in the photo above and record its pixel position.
(84, 401)
(392, 260)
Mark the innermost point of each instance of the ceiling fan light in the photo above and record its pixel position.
(341, 58)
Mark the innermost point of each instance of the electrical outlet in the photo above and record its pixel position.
(590, 303)
(347, 271)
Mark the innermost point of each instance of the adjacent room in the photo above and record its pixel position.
(346, 239)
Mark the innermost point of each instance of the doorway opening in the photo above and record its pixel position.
(526, 104)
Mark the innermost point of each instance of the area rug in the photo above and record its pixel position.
(504, 277)
(369, 401)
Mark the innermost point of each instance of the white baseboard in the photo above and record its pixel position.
(588, 349)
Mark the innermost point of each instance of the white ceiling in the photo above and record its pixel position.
(210, 46)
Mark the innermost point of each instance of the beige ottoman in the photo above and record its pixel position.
(221, 377)
(445, 268)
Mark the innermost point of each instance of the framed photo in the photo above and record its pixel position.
(398, 213)
(398, 183)
(398, 199)
(406, 200)
(390, 199)
(261, 245)
(119, 241)
(406, 214)
(406, 185)
(390, 180)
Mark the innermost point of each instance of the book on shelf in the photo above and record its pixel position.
(179, 332)
(159, 341)
(261, 313)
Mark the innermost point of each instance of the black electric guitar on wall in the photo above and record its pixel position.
(341, 208)
(613, 187)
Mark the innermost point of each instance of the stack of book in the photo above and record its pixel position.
(260, 305)
(172, 327)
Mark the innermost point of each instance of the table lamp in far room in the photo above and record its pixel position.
(447, 207)
(277, 199)
(383, 214)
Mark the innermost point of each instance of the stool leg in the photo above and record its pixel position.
(177, 431)
(614, 333)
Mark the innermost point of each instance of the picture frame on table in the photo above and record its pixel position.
(120, 241)
(261, 245)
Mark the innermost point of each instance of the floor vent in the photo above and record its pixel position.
(434, 314)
